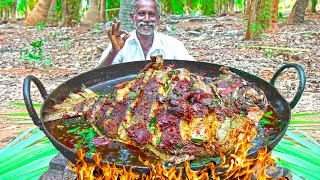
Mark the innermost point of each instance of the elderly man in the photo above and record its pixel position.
(144, 41)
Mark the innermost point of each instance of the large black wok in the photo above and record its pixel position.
(104, 79)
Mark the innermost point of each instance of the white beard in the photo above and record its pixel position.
(139, 27)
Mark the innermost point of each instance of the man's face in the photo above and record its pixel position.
(146, 18)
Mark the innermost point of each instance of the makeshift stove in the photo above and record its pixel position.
(59, 169)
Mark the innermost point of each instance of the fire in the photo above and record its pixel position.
(235, 165)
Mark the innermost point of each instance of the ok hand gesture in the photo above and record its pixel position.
(117, 37)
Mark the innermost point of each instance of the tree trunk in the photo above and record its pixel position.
(250, 11)
(70, 12)
(247, 6)
(262, 14)
(231, 7)
(124, 15)
(39, 13)
(298, 11)
(7, 15)
(275, 11)
(13, 12)
(26, 9)
(52, 18)
(219, 7)
(309, 7)
(225, 6)
(64, 12)
(103, 11)
(93, 15)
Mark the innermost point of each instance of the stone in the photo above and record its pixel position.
(69, 174)
(59, 162)
(52, 174)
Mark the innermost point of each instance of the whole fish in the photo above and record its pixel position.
(172, 112)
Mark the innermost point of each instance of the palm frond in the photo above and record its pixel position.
(298, 151)
(27, 156)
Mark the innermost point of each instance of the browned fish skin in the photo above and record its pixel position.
(176, 114)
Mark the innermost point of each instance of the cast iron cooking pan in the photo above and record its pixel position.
(104, 79)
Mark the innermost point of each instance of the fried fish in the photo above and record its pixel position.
(172, 112)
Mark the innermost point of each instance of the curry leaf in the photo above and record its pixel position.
(74, 130)
(268, 114)
(152, 121)
(133, 95)
(197, 140)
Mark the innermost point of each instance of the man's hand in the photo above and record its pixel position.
(115, 34)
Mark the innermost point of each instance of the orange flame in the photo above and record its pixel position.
(235, 165)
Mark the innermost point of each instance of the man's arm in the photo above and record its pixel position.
(107, 60)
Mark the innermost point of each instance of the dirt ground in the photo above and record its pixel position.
(74, 50)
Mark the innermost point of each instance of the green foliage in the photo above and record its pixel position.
(68, 43)
(21, 7)
(206, 7)
(6, 3)
(35, 54)
(112, 7)
(262, 22)
(239, 4)
(96, 31)
(281, 17)
(174, 6)
(40, 26)
(269, 53)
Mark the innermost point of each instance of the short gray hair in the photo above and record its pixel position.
(134, 6)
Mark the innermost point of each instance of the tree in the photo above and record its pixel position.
(232, 7)
(52, 18)
(39, 13)
(64, 12)
(103, 11)
(13, 12)
(260, 14)
(124, 15)
(298, 11)
(26, 8)
(93, 15)
(70, 12)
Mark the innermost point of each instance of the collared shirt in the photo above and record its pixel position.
(167, 46)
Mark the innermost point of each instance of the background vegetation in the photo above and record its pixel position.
(260, 14)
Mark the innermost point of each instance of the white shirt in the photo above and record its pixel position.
(167, 46)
